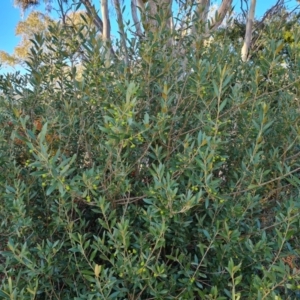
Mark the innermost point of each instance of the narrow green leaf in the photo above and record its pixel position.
(216, 89)
(3, 295)
(51, 188)
(222, 105)
(42, 134)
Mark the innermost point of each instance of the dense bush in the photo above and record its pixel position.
(162, 181)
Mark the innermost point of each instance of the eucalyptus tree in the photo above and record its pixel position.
(36, 22)
(152, 17)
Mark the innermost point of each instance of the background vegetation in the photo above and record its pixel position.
(154, 180)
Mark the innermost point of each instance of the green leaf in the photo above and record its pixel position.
(4, 295)
(238, 279)
(223, 103)
(216, 89)
(146, 118)
(227, 80)
(148, 201)
(206, 234)
(89, 278)
(42, 134)
(252, 186)
(51, 188)
(266, 126)
(131, 90)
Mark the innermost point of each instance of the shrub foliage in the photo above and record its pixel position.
(176, 178)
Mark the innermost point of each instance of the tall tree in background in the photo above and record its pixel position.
(153, 17)
(36, 22)
(150, 16)
(248, 34)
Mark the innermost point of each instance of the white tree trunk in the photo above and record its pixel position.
(106, 30)
(135, 18)
(106, 23)
(248, 34)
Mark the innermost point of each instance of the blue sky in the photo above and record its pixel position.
(10, 16)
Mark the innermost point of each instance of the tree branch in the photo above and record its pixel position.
(222, 11)
(121, 27)
(92, 12)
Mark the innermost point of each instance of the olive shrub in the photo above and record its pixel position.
(162, 180)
